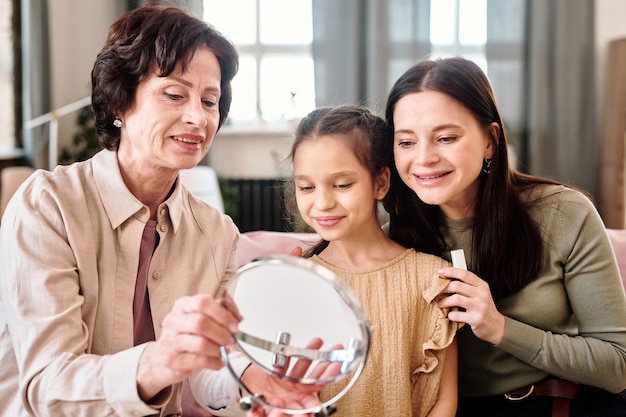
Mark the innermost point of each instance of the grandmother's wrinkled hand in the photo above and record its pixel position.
(191, 336)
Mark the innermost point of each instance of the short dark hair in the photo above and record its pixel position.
(146, 39)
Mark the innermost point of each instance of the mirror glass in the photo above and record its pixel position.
(286, 302)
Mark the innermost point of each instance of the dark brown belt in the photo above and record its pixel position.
(561, 391)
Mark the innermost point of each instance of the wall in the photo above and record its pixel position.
(230, 152)
(78, 29)
(609, 26)
(251, 154)
(610, 18)
(77, 32)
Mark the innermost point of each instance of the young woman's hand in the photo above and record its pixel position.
(469, 299)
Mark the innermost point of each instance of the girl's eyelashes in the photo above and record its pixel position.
(305, 188)
(309, 188)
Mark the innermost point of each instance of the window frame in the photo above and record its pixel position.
(257, 51)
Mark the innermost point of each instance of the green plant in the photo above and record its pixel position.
(85, 142)
(230, 197)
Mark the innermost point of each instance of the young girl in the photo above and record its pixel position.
(339, 177)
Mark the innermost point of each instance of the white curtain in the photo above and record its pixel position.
(539, 58)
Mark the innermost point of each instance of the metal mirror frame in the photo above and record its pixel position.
(353, 357)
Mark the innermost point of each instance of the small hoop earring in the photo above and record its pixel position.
(487, 165)
(117, 122)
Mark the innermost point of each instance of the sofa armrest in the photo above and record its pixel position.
(618, 241)
(253, 245)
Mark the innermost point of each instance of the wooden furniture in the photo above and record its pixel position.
(9, 157)
(11, 178)
(613, 139)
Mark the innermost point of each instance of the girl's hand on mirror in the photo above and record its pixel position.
(469, 301)
(286, 394)
(297, 251)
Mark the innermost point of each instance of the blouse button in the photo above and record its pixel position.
(163, 228)
(156, 275)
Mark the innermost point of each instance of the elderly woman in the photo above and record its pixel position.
(110, 267)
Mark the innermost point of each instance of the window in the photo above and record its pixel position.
(459, 27)
(275, 83)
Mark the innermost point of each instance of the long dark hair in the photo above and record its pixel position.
(363, 131)
(153, 37)
(506, 242)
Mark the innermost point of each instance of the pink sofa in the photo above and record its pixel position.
(618, 239)
(253, 245)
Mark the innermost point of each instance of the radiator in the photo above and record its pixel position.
(255, 204)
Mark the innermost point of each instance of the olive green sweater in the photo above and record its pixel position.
(570, 322)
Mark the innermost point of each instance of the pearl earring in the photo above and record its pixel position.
(117, 122)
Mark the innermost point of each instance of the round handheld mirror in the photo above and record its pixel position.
(286, 302)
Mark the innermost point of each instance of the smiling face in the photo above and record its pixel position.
(173, 119)
(439, 148)
(334, 191)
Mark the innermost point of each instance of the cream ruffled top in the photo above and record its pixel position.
(409, 335)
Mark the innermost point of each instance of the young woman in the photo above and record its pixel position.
(339, 177)
(543, 296)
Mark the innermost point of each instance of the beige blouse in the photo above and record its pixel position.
(70, 252)
(409, 334)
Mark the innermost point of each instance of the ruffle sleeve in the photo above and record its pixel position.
(442, 329)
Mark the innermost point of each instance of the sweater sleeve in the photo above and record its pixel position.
(591, 348)
(218, 391)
